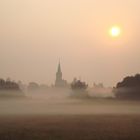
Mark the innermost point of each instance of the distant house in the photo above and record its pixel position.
(33, 86)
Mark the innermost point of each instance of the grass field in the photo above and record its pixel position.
(70, 127)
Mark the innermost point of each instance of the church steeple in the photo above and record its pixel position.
(59, 82)
(59, 68)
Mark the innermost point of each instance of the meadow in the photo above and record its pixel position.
(70, 127)
(59, 117)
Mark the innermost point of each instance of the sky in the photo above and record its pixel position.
(35, 34)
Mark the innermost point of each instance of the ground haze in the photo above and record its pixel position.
(58, 116)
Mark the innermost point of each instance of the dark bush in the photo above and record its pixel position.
(128, 88)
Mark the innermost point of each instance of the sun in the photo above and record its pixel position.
(115, 31)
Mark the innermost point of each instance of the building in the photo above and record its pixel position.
(59, 82)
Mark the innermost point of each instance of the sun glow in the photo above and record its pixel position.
(115, 31)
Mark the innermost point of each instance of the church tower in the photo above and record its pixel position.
(59, 82)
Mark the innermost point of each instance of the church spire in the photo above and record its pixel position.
(59, 67)
(59, 82)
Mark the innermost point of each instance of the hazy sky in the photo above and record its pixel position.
(34, 34)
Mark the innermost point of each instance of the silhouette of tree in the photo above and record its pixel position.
(129, 87)
(8, 85)
(78, 85)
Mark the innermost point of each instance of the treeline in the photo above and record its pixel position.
(8, 85)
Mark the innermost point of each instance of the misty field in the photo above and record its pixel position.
(70, 127)
(58, 117)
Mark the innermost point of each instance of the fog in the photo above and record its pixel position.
(61, 103)
(34, 34)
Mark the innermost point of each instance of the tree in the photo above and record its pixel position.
(128, 88)
(78, 85)
(2, 83)
(79, 89)
(8, 85)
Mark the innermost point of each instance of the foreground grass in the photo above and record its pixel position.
(70, 127)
